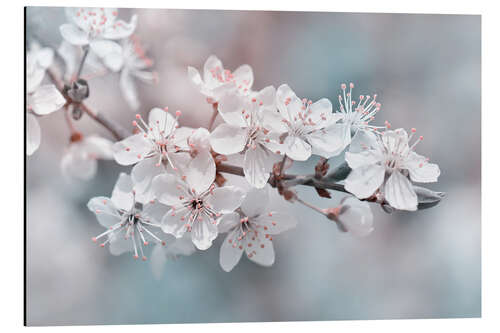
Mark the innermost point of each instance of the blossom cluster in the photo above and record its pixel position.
(175, 196)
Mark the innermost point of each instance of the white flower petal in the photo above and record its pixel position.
(297, 149)
(168, 189)
(143, 173)
(203, 233)
(105, 211)
(46, 99)
(275, 222)
(267, 96)
(228, 221)
(33, 134)
(200, 172)
(121, 29)
(226, 199)
(122, 195)
(260, 251)
(364, 181)
(154, 212)
(420, 170)
(45, 57)
(357, 160)
(98, 147)
(173, 223)
(256, 201)
(228, 139)
(328, 142)
(113, 60)
(161, 121)
(243, 76)
(212, 64)
(103, 47)
(195, 77)
(287, 102)
(230, 108)
(73, 35)
(357, 217)
(255, 166)
(399, 192)
(230, 252)
(132, 149)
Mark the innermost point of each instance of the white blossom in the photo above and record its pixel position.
(218, 81)
(98, 28)
(131, 220)
(195, 207)
(307, 128)
(354, 216)
(80, 159)
(251, 229)
(246, 131)
(355, 115)
(133, 64)
(41, 99)
(156, 145)
(383, 163)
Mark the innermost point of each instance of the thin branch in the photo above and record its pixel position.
(287, 180)
(86, 49)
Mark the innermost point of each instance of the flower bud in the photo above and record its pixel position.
(352, 216)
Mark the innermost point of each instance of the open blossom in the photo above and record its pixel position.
(353, 216)
(98, 28)
(306, 127)
(133, 64)
(80, 159)
(41, 99)
(155, 146)
(355, 115)
(251, 229)
(38, 59)
(384, 162)
(218, 81)
(132, 221)
(197, 144)
(246, 131)
(196, 205)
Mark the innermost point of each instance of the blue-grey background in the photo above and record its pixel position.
(426, 71)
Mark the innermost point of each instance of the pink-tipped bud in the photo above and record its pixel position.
(94, 239)
(134, 123)
(343, 86)
(178, 113)
(351, 85)
(165, 109)
(413, 130)
(421, 138)
(138, 116)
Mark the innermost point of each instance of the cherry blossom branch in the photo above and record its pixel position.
(287, 180)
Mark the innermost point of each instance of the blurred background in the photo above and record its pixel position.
(426, 72)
